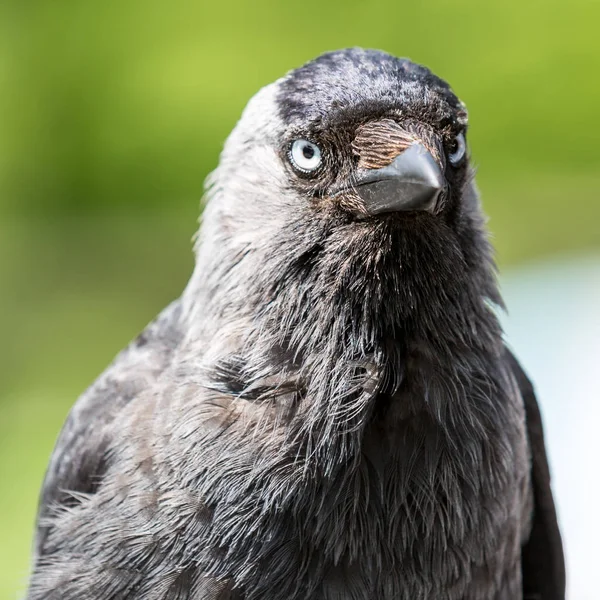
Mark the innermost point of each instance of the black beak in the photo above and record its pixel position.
(412, 181)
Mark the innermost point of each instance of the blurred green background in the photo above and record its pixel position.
(112, 114)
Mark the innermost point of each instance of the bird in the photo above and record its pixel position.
(329, 411)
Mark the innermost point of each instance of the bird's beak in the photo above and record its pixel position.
(413, 181)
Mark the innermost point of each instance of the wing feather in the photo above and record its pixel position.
(542, 558)
(79, 459)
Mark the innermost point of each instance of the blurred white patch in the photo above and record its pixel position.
(554, 327)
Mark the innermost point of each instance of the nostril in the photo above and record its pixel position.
(377, 143)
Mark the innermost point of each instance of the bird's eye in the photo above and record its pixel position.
(305, 156)
(457, 149)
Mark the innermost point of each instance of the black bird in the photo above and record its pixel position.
(329, 410)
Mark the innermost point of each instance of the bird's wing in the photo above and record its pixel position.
(80, 455)
(542, 559)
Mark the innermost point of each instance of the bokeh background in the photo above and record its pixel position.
(112, 113)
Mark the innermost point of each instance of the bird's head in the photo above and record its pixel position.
(371, 134)
(348, 178)
(356, 134)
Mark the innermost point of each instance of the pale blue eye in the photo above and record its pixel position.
(305, 155)
(459, 147)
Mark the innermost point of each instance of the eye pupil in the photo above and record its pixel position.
(308, 151)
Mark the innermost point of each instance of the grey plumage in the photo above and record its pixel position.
(329, 411)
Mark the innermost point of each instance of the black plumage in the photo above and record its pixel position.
(329, 411)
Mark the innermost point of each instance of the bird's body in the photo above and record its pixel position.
(329, 411)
